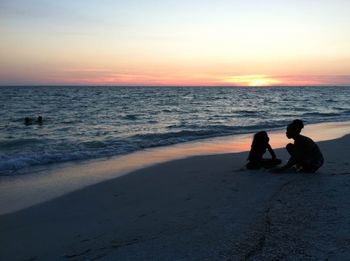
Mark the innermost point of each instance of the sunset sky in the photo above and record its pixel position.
(178, 42)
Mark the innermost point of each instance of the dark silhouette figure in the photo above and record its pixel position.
(40, 120)
(305, 155)
(259, 145)
(28, 121)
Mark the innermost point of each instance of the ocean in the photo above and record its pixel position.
(95, 122)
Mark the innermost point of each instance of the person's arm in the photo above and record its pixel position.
(273, 155)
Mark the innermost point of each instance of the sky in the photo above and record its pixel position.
(178, 42)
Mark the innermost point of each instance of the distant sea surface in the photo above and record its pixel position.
(93, 122)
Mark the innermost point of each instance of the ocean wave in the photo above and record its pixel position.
(173, 137)
(34, 158)
(16, 143)
(321, 114)
(246, 111)
(169, 135)
(131, 117)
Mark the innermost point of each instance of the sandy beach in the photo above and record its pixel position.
(203, 207)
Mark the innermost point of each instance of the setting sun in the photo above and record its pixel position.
(252, 80)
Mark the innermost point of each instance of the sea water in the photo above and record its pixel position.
(95, 122)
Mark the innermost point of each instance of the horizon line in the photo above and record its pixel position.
(150, 85)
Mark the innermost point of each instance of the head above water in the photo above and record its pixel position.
(294, 129)
(27, 120)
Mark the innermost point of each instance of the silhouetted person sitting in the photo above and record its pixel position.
(305, 155)
(28, 121)
(259, 145)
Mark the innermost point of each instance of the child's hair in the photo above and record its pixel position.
(260, 139)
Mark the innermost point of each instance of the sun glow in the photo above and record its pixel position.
(207, 43)
(252, 80)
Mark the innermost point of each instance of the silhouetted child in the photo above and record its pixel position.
(305, 155)
(259, 145)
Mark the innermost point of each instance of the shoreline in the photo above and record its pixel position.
(22, 191)
(200, 208)
(219, 138)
